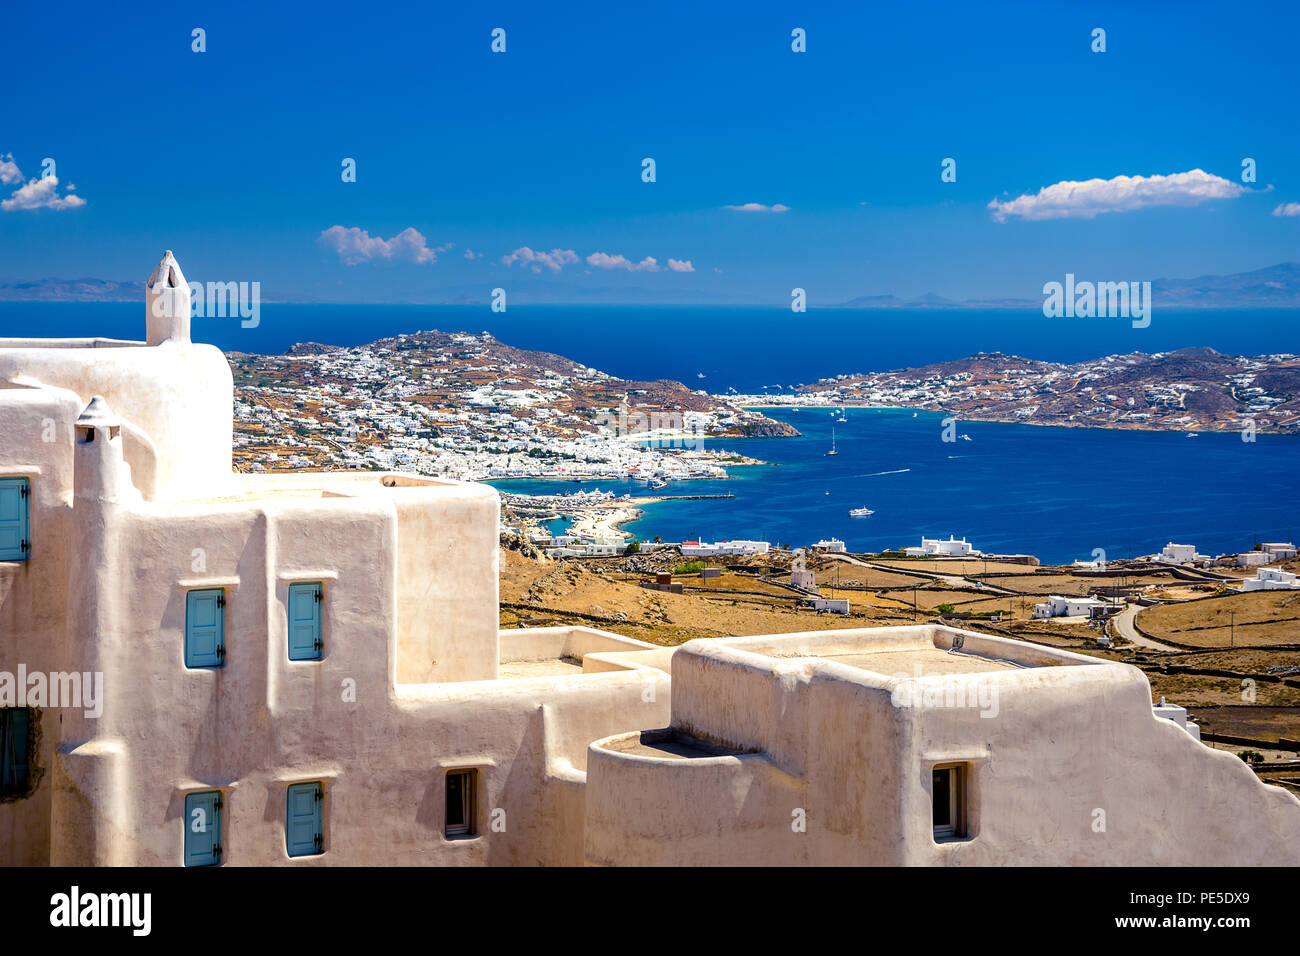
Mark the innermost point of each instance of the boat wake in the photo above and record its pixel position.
(876, 474)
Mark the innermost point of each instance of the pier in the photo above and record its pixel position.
(686, 497)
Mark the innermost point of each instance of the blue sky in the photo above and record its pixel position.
(232, 157)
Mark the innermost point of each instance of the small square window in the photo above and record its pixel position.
(948, 798)
(461, 787)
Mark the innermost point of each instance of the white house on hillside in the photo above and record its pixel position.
(1271, 579)
(1179, 554)
(1058, 606)
(701, 549)
(936, 547)
(831, 546)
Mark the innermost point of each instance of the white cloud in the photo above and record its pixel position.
(1288, 209)
(1084, 200)
(758, 207)
(355, 246)
(41, 194)
(9, 171)
(554, 260)
(680, 265)
(471, 255)
(602, 261)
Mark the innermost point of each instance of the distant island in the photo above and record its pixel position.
(1274, 287)
(1192, 389)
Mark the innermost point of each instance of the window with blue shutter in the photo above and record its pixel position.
(15, 529)
(205, 628)
(305, 640)
(203, 828)
(303, 833)
(15, 742)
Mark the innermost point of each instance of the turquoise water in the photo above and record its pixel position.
(1054, 492)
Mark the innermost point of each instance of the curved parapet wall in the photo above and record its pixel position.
(660, 798)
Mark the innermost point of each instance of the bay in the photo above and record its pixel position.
(1057, 493)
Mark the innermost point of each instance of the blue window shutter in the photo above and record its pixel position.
(203, 828)
(14, 742)
(15, 530)
(205, 628)
(303, 835)
(304, 621)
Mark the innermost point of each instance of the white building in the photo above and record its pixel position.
(1178, 715)
(891, 739)
(830, 605)
(1271, 579)
(833, 546)
(1063, 606)
(804, 579)
(1278, 550)
(1179, 554)
(1251, 559)
(312, 660)
(701, 549)
(936, 547)
(599, 549)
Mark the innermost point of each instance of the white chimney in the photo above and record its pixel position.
(167, 303)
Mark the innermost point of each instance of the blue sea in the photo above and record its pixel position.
(1058, 493)
(747, 348)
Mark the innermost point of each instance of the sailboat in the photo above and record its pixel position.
(832, 451)
(841, 418)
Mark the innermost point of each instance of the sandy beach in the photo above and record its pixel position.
(601, 522)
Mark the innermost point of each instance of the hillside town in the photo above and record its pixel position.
(469, 407)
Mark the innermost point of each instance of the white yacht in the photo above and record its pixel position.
(860, 512)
